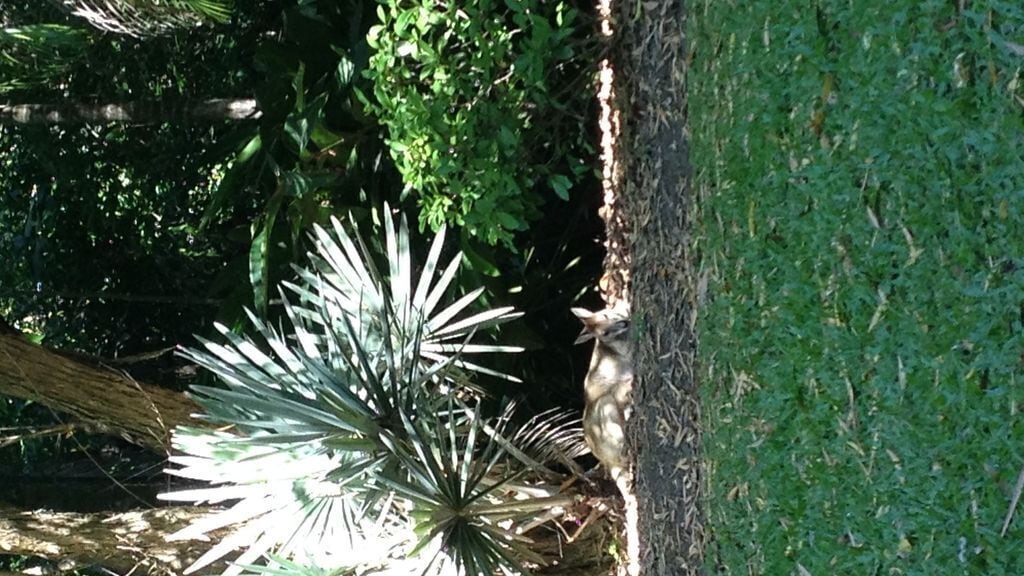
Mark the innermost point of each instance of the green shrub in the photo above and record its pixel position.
(467, 93)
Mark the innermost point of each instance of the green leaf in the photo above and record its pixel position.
(296, 184)
(254, 145)
(233, 181)
(449, 138)
(300, 122)
(259, 254)
(561, 185)
(325, 138)
(479, 263)
(344, 73)
(296, 131)
(299, 87)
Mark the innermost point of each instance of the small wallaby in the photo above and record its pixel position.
(607, 387)
(607, 392)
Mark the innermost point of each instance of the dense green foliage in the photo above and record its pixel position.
(481, 100)
(100, 225)
(96, 247)
(127, 239)
(314, 152)
(247, 194)
(37, 53)
(860, 171)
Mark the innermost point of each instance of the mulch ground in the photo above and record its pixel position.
(649, 230)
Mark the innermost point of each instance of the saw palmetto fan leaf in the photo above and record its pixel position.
(141, 18)
(350, 439)
(345, 285)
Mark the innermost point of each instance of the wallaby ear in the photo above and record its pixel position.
(582, 314)
(588, 323)
(585, 335)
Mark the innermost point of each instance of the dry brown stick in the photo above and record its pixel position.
(1013, 502)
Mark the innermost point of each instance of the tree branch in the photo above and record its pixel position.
(119, 542)
(109, 400)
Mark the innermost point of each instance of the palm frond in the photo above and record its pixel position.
(354, 440)
(553, 436)
(142, 18)
(455, 484)
(276, 490)
(344, 279)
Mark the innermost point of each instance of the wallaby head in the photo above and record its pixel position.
(609, 326)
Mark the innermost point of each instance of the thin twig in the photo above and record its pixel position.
(1013, 502)
(36, 433)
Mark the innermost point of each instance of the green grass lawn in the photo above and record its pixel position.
(861, 225)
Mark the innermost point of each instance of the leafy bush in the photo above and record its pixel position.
(313, 153)
(482, 104)
(862, 228)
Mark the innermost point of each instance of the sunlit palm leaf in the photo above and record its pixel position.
(355, 443)
(553, 436)
(147, 17)
(344, 275)
(457, 488)
(275, 489)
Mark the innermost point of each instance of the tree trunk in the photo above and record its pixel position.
(650, 65)
(126, 542)
(106, 399)
(146, 112)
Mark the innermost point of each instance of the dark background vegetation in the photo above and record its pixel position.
(125, 240)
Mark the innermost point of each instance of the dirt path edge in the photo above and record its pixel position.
(650, 59)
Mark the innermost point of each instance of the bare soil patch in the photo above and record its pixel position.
(650, 251)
